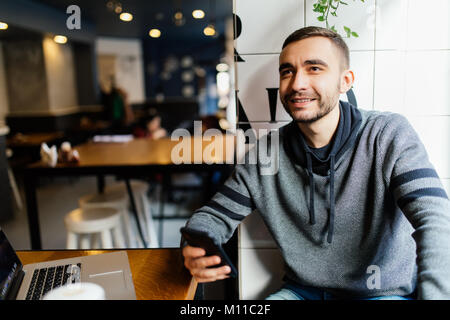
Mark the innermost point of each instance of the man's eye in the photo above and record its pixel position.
(315, 69)
(285, 72)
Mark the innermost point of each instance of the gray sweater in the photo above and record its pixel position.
(376, 201)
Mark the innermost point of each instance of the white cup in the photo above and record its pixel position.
(77, 291)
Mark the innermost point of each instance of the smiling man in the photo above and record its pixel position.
(355, 198)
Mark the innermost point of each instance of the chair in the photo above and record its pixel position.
(88, 224)
(260, 263)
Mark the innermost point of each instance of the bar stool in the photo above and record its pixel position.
(88, 223)
(143, 209)
(117, 196)
(111, 199)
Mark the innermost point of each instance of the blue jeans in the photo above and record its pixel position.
(296, 292)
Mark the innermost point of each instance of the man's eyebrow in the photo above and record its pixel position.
(285, 66)
(315, 61)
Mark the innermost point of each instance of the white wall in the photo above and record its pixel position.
(60, 72)
(4, 107)
(401, 61)
(129, 64)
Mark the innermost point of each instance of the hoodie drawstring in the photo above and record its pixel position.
(312, 218)
(331, 223)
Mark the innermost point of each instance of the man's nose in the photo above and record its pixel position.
(300, 82)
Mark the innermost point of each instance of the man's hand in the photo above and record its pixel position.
(196, 262)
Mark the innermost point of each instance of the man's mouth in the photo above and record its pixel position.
(300, 102)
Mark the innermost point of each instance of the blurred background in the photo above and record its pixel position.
(68, 73)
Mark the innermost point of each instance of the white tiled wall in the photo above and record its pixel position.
(254, 233)
(434, 132)
(401, 62)
(257, 73)
(428, 25)
(266, 23)
(389, 80)
(427, 79)
(358, 16)
(363, 68)
(391, 24)
(262, 278)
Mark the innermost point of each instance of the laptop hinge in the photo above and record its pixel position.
(15, 286)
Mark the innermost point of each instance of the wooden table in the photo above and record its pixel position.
(135, 159)
(33, 139)
(158, 274)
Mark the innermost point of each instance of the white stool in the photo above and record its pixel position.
(111, 199)
(117, 196)
(84, 223)
(143, 209)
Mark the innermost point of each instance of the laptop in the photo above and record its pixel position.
(32, 281)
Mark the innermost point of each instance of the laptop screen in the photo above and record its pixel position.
(9, 264)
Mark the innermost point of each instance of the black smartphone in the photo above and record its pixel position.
(202, 240)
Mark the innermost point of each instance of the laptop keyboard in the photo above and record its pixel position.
(46, 279)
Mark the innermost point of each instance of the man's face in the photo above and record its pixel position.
(310, 78)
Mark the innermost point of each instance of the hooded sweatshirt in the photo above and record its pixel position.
(374, 202)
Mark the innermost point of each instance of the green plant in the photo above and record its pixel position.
(327, 7)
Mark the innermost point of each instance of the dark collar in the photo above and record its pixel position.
(349, 122)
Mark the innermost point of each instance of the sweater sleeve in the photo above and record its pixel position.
(419, 193)
(227, 208)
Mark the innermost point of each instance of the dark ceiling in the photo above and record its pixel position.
(148, 14)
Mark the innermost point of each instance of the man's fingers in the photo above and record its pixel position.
(193, 252)
(211, 274)
(200, 263)
(202, 280)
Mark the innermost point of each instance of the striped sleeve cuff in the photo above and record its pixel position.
(408, 187)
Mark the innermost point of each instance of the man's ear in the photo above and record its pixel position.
(347, 79)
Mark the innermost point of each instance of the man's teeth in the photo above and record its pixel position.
(302, 100)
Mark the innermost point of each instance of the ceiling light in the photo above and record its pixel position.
(3, 26)
(222, 67)
(118, 8)
(125, 16)
(178, 18)
(178, 15)
(110, 5)
(60, 39)
(198, 14)
(154, 33)
(209, 30)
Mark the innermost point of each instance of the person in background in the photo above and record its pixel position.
(150, 127)
(116, 106)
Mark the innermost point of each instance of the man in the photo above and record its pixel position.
(355, 191)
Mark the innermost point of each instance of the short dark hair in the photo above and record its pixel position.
(308, 32)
